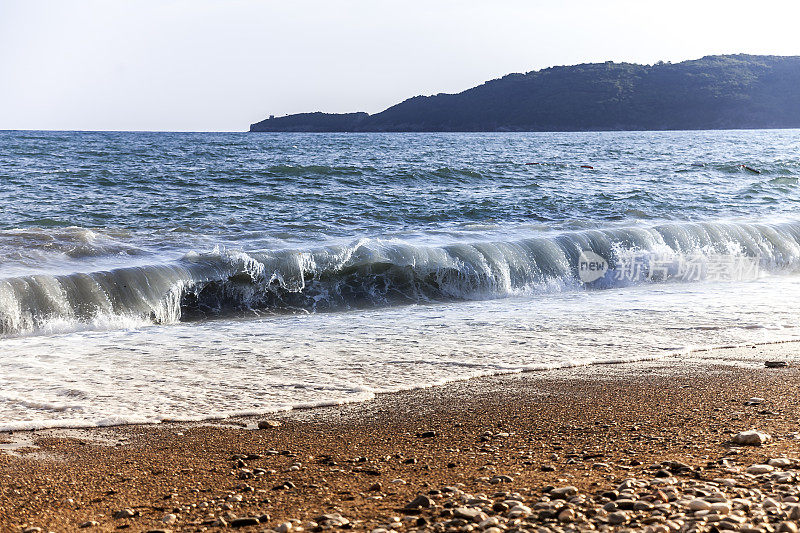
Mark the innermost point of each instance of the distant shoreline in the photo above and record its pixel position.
(777, 128)
(712, 93)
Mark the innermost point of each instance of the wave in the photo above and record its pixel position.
(374, 273)
(72, 241)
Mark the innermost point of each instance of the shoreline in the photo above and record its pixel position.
(580, 426)
(668, 355)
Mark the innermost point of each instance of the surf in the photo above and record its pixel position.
(373, 273)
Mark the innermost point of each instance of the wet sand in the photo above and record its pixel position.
(590, 428)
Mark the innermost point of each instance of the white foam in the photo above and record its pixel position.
(223, 368)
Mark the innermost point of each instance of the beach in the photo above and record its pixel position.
(549, 449)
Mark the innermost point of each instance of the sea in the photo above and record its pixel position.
(147, 277)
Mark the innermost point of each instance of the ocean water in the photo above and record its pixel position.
(183, 276)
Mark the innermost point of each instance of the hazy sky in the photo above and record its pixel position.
(220, 65)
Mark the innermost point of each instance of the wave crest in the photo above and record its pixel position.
(372, 273)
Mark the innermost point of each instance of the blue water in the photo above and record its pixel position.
(328, 267)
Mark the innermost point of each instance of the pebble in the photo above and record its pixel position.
(618, 518)
(567, 515)
(699, 505)
(625, 504)
(268, 424)
(751, 438)
(564, 492)
(124, 513)
(722, 508)
(470, 513)
(90, 523)
(245, 522)
(284, 527)
(776, 364)
(421, 502)
(331, 520)
(759, 469)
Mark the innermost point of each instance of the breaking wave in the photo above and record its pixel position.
(374, 273)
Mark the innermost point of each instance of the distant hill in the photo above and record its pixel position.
(715, 92)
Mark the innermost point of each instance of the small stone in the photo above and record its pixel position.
(786, 527)
(770, 503)
(284, 527)
(794, 513)
(519, 511)
(90, 523)
(699, 505)
(268, 424)
(776, 364)
(501, 479)
(331, 520)
(421, 502)
(618, 518)
(642, 506)
(375, 487)
(245, 522)
(490, 522)
(33, 529)
(564, 492)
(722, 508)
(124, 513)
(469, 513)
(567, 515)
(548, 468)
(759, 469)
(624, 504)
(780, 462)
(169, 519)
(751, 438)
(426, 434)
(500, 507)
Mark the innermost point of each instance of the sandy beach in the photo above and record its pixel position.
(470, 445)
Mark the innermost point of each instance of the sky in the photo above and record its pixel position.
(203, 65)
